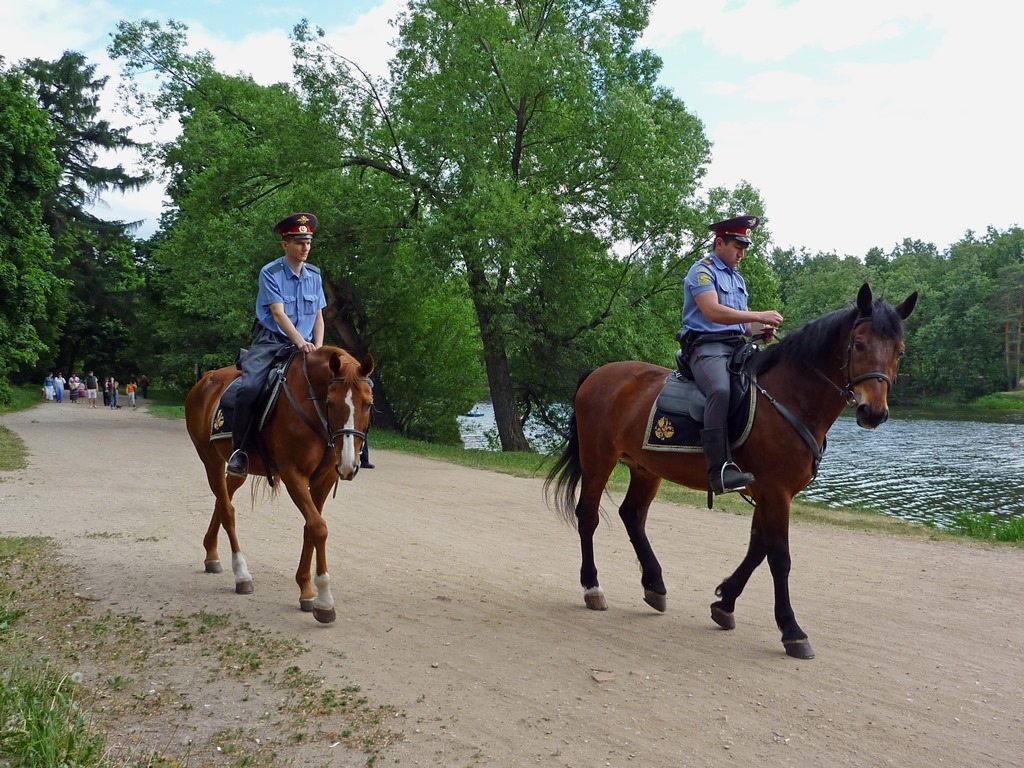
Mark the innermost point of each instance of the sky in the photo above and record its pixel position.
(861, 124)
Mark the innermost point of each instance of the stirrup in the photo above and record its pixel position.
(744, 479)
(238, 464)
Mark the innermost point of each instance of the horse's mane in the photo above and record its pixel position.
(809, 343)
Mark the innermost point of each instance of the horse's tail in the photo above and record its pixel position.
(565, 475)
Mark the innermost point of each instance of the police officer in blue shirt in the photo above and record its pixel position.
(289, 316)
(715, 319)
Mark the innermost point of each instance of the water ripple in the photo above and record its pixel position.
(925, 470)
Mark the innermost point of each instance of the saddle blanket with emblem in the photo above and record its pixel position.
(677, 416)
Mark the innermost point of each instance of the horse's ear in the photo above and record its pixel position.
(335, 363)
(366, 366)
(904, 309)
(864, 301)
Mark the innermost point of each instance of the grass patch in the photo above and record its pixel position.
(54, 714)
(23, 397)
(1000, 401)
(13, 454)
(166, 405)
(42, 722)
(166, 411)
(987, 528)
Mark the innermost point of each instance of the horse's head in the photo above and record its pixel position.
(873, 356)
(349, 401)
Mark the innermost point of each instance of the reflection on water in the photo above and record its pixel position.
(919, 469)
(924, 469)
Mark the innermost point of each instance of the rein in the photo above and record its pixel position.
(816, 452)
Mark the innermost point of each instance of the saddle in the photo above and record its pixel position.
(222, 420)
(677, 415)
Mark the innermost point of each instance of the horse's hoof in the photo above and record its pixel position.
(799, 649)
(656, 601)
(244, 588)
(324, 616)
(213, 566)
(722, 618)
(306, 604)
(594, 598)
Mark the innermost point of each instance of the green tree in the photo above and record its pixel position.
(822, 283)
(247, 154)
(521, 162)
(535, 144)
(28, 173)
(96, 259)
(1008, 298)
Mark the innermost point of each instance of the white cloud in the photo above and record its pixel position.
(851, 152)
(865, 152)
(765, 30)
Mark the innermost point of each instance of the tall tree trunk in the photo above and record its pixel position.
(1008, 362)
(339, 321)
(1020, 334)
(499, 379)
(506, 415)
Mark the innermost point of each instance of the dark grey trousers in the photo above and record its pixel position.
(710, 366)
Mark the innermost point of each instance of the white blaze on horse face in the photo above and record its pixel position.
(348, 442)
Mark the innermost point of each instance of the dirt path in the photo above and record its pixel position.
(458, 603)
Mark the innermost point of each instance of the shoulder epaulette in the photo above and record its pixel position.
(707, 261)
(273, 269)
(313, 269)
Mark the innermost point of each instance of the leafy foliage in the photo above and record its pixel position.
(28, 173)
(964, 340)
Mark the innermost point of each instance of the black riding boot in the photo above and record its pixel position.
(723, 475)
(238, 464)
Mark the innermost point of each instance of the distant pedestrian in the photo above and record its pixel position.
(58, 387)
(91, 385)
(364, 453)
(144, 385)
(48, 387)
(130, 391)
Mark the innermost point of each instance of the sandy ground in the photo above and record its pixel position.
(458, 602)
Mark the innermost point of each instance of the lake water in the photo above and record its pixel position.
(914, 467)
(924, 469)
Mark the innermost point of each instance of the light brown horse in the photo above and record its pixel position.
(804, 382)
(326, 395)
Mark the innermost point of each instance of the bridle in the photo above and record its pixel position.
(846, 391)
(325, 428)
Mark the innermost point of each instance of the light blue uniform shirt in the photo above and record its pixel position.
(711, 274)
(302, 296)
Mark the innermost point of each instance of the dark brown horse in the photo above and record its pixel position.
(804, 382)
(326, 395)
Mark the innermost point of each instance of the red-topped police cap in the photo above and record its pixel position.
(740, 227)
(298, 226)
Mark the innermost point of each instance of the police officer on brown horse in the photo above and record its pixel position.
(715, 319)
(289, 316)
